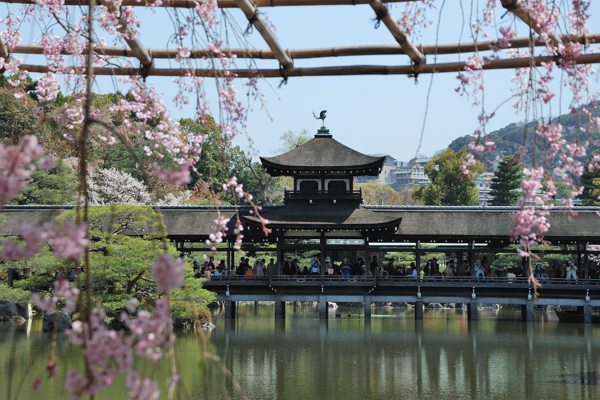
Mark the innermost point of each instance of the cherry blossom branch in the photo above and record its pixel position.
(520, 10)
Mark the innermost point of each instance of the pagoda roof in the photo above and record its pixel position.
(335, 216)
(323, 154)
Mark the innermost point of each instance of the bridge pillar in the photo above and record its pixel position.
(295, 307)
(322, 307)
(279, 308)
(472, 310)
(256, 307)
(230, 309)
(419, 310)
(587, 314)
(367, 304)
(527, 311)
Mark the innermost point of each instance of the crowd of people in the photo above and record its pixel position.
(360, 268)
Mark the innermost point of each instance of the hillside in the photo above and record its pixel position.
(507, 139)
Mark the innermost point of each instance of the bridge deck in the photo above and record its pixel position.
(401, 289)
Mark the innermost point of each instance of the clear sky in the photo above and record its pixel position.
(373, 114)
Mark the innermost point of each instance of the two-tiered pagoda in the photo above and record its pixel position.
(323, 211)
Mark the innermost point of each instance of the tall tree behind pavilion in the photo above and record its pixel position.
(506, 182)
(449, 185)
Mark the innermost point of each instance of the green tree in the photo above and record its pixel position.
(376, 193)
(290, 140)
(120, 263)
(219, 162)
(264, 188)
(17, 116)
(449, 186)
(56, 186)
(506, 182)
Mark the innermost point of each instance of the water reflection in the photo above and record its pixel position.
(443, 356)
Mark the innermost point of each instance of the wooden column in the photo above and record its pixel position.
(527, 311)
(472, 310)
(470, 258)
(367, 304)
(230, 309)
(279, 307)
(580, 269)
(228, 262)
(587, 314)
(586, 261)
(323, 241)
(419, 310)
(322, 307)
(418, 258)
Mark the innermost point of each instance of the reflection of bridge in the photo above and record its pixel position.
(471, 291)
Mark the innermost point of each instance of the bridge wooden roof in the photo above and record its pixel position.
(460, 223)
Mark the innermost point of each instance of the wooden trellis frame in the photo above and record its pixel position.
(418, 64)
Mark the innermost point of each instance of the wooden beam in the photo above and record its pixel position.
(520, 11)
(138, 49)
(255, 19)
(4, 53)
(341, 51)
(336, 71)
(390, 22)
(221, 3)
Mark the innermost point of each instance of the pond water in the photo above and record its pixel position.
(390, 356)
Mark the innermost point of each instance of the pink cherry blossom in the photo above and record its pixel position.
(168, 272)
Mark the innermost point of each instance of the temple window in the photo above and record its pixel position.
(309, 185)
(337, 186)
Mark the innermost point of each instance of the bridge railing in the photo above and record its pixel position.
(442, 280)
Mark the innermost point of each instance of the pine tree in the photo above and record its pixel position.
(506, 182)
(57, 186)
(591, 188)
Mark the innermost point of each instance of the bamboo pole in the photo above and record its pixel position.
(342, 51)
(334, 71)
(390, 22)
(4, 53)
(256, 20)
(138, 49)
(520, 11)
(221, 3)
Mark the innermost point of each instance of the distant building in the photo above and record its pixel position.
(400, 174)
(389, 165)
(483, 182)
(408, 174)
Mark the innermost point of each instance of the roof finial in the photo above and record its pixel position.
(322, 117)
(322, 131)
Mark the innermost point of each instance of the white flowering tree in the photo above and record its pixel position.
(111, 186)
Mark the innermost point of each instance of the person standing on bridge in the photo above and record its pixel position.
(449, 271)
(346, 267)
(374, 264)
(412, 272)
(288, 267)
(479, 270)
(571, 271)
(315, 266)
(465, 269)
(270, 270)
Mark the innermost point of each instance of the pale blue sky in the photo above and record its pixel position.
(373, 114)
